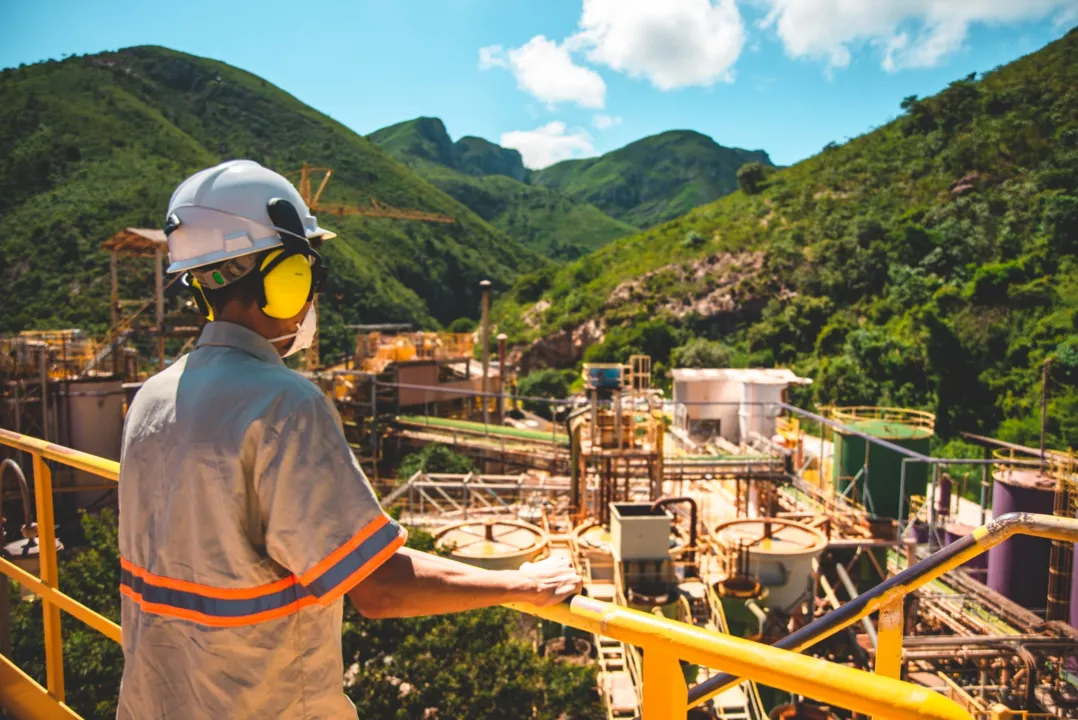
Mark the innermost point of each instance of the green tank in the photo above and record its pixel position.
(911, 429)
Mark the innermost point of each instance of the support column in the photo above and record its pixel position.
(159, 296)
(114, 296)
(665, 693)
(889, 631)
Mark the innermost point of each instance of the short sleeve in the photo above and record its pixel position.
(322, 520)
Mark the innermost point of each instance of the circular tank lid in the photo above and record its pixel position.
(787, 537)
(594, 536)
(490, 538)
(890, 429)
(1031, 478)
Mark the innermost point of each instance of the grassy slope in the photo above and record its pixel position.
(99, 142)
(889, 272)
(491, 181)
(654, 179)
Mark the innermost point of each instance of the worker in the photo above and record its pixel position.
(244, 517)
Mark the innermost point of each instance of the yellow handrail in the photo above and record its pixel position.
(664, 642)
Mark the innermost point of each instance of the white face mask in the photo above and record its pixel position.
(304, 335)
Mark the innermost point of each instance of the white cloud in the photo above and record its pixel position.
(548, 144)
(911, 33)
(673, 43)
(605, 122)
(492, 56)
(545, 69)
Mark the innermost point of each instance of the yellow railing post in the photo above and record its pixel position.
(889, 639)
(46, 539)
(665, 692)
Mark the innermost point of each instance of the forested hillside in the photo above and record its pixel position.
(930, 263)
(653, 179)
(96, 143)
(493, 182)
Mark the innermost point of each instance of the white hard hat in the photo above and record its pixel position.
(222, 212)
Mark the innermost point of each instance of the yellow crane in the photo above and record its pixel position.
(375, 209)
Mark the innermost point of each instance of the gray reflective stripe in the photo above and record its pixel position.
(355, 560)
(216, 607)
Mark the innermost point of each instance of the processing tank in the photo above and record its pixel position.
(780, 555)
(878, 489)
(492, 544)
(1018, 567)
(976, 567)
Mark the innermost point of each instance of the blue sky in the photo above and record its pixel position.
(570, 78)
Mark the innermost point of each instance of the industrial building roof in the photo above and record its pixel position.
(743, 375)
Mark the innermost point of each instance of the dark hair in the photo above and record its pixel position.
(247, 290)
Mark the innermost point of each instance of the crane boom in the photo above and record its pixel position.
(375, 209)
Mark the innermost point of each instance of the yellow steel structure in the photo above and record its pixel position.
(664, 642)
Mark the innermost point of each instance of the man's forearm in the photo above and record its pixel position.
(415, 583)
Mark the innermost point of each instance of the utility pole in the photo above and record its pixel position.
(484, 338)
(1044, 402)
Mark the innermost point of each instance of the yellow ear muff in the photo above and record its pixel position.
(286, 286)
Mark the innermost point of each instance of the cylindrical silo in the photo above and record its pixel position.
(911, 429)
(1018, 568)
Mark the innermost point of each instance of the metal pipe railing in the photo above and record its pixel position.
(888, 595)
(664, 641)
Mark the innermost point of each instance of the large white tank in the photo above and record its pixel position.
(759, 407)
(492, 544)
(780, 555)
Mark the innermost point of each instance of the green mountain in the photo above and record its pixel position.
(929, 263)
(96, 143)
(493, 182)
(654, 179)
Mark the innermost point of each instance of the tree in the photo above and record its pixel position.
(750, 177)
(461, 325)
(93, 664)
(435, 458)
(701, 353)
(547, 383)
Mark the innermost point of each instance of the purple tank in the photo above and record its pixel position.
(977, 567)
(1018, 568)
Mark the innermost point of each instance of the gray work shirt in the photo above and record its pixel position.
(244, 518)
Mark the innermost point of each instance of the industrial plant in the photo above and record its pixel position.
(719, 507)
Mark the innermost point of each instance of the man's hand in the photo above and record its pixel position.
(551, 581)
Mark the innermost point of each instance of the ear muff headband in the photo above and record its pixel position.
(199, 296)
(286, 283)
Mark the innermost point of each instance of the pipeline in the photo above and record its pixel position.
(847, 582)
(664, 501)
(24, 490)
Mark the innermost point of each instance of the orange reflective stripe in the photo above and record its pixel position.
(337, 555)
(208, 590)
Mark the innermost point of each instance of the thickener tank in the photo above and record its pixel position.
(1018, 567)
(879, 487)
(492, 544)
(780, 555)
